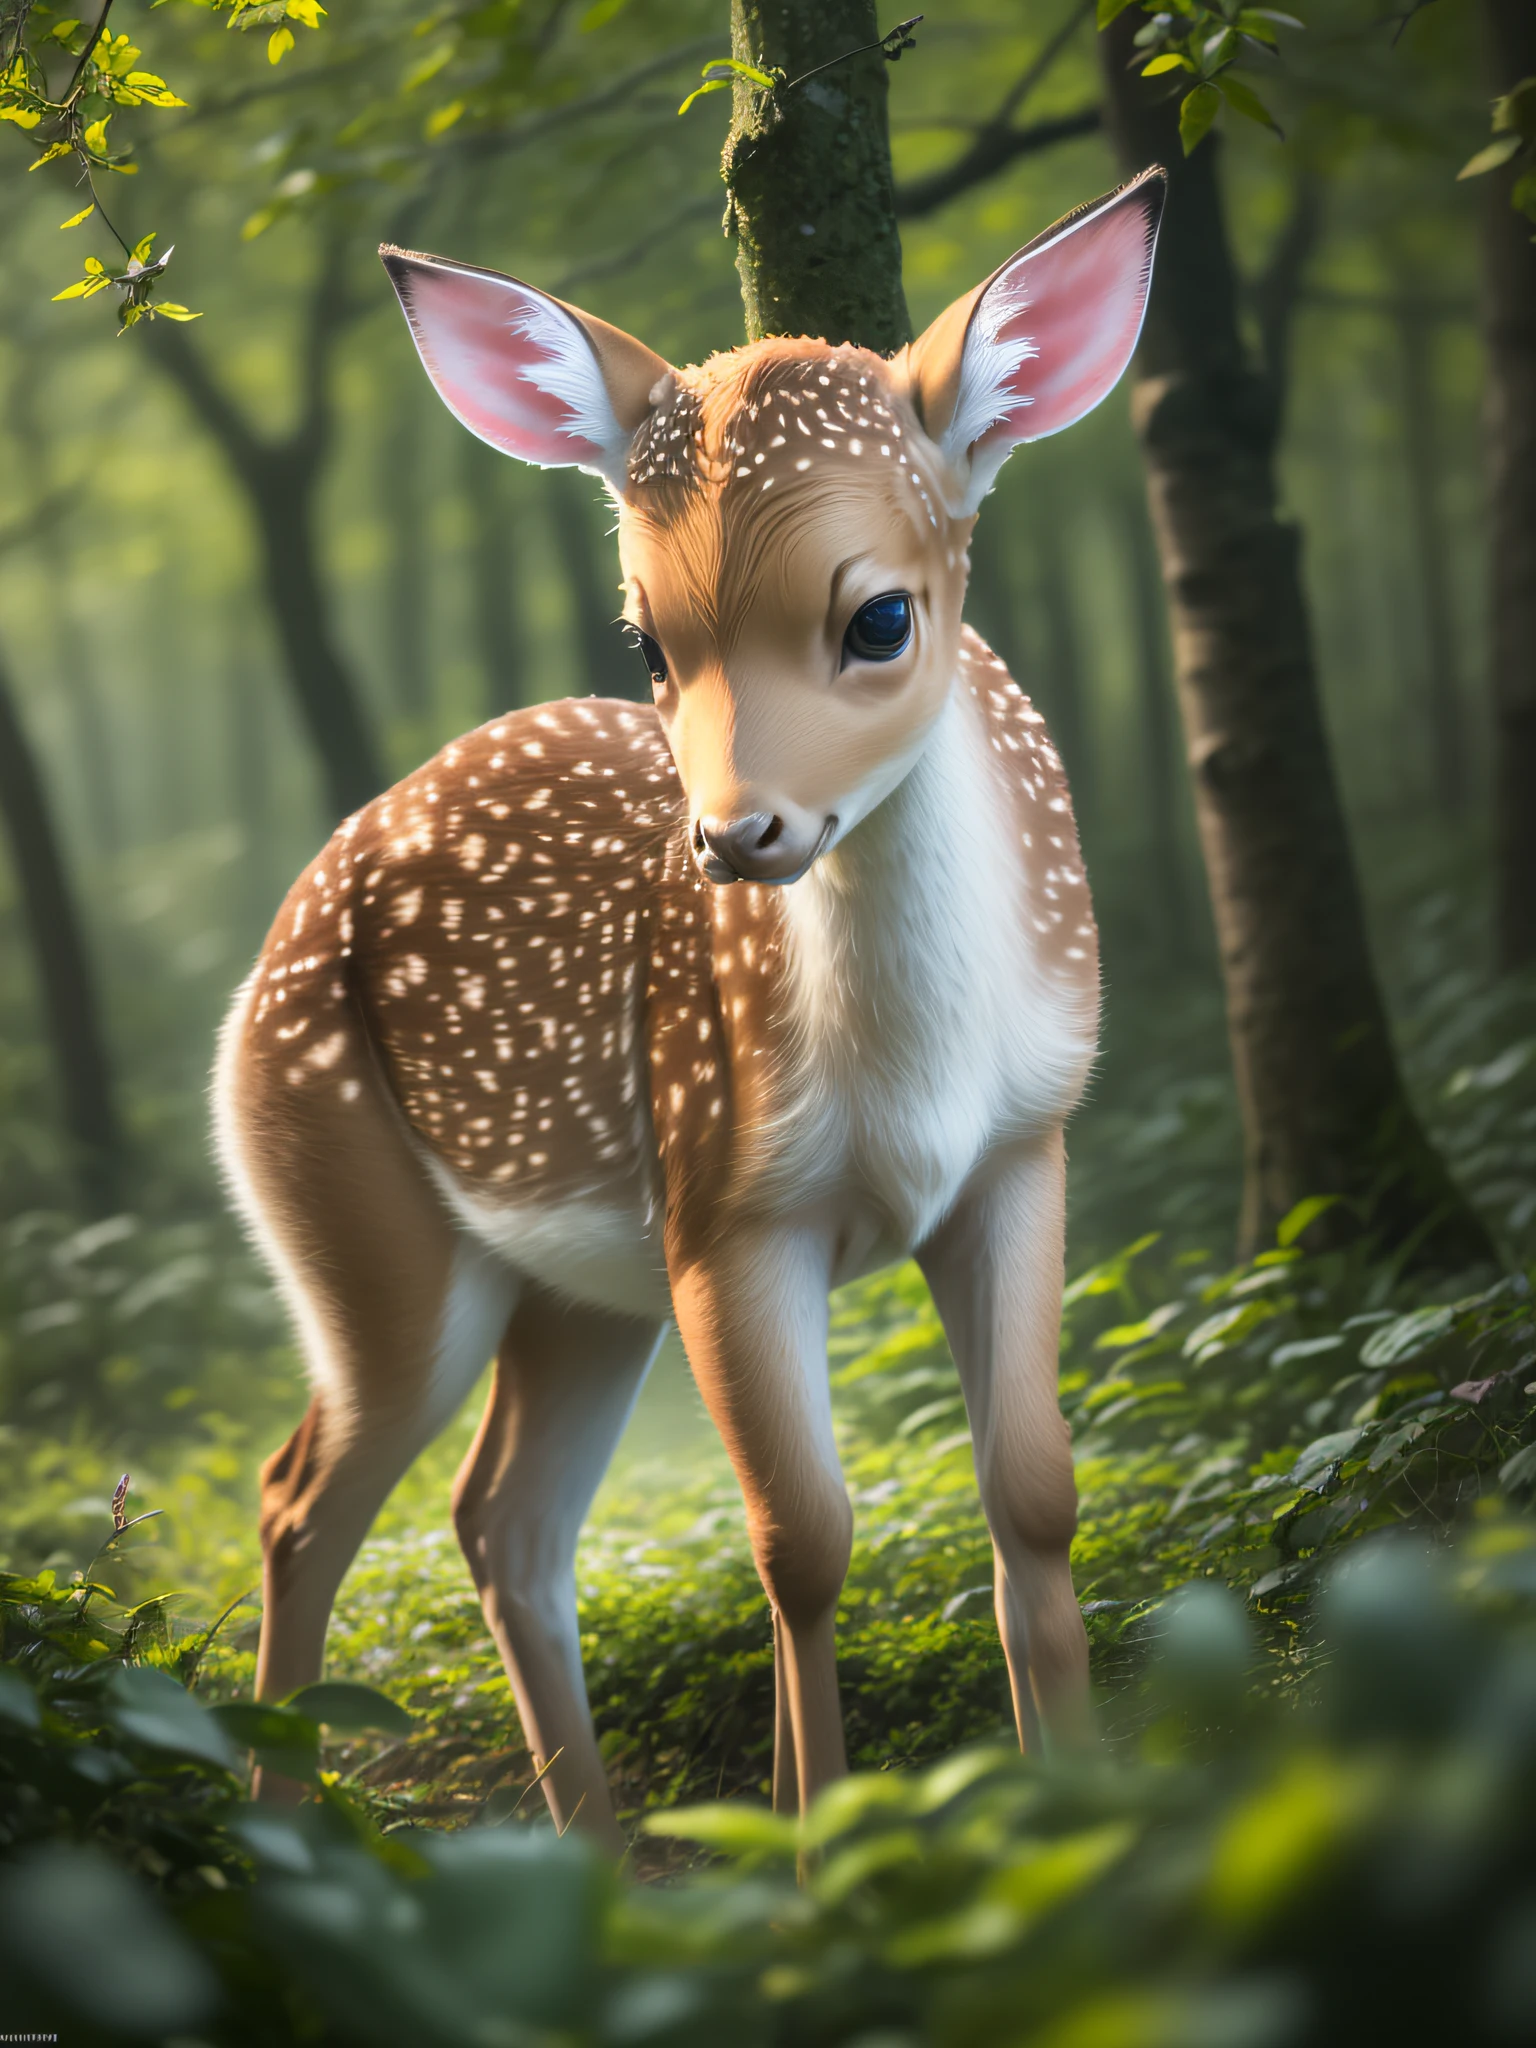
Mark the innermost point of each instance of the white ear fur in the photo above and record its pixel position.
(525, 373)
(1045, 339)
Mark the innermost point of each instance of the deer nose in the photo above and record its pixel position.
(758, 848)
(746, 849)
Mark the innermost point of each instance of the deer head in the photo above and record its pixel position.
(794, 517)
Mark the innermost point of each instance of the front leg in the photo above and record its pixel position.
(995, 1267)
(752, 1312)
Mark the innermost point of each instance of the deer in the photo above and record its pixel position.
(616, 1014)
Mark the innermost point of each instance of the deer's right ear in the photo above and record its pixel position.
(530, 375)
(1043, 341)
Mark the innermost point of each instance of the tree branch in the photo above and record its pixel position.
(991, 152)
(1276, 291)
(997, 141)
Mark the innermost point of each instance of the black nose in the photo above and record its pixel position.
(746, 849)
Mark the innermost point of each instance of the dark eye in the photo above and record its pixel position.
(880, 630)
(655, 660)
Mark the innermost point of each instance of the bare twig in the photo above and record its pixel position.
(997, 142)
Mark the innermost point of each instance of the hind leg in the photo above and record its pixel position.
(395, 1313)
(321, 1491)
(566, 1380)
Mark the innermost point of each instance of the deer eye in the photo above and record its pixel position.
(879, 630)
(650, 651)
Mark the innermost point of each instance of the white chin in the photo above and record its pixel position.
(873, 791)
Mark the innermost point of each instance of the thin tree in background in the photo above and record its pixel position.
(405, 605)
(1323, 1104)
(1431, 556)
(495, 566)
(67, 986)
(280, 476)
(1159, 735)
(608, 667)
(1509, 326)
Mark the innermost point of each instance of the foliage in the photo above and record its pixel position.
(1246, 1874)
(70, 121)
(721, 73)
(1514, 142)
(1205, 43)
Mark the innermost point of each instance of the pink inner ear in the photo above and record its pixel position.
(1078, 304)
(501, 355)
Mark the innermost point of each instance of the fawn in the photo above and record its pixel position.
(609, 1013)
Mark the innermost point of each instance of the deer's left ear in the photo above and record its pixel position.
(532, 376)
(1043, 340)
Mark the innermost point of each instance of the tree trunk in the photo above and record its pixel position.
(326, 696)
(609, 667)
(493, 570)
(1431, 555)
(1160, 763)
(1063, 692)
(1323, 1105)
(63, 966)
(808, 171)
(405, 600)
(89, 718)
(1509, 299)
(280, 478)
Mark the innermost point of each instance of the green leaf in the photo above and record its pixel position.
(167, 309)
(1519, 1472)
(734, 1828)
(350, 1708)
(1110, 10)
(714, 85)
(1489, 159)
(150, 1707)
(1244, 100)
(284, 1741)
(76, 218)
(1197, 111)
(18, 1702)
(1169, 61)
(1126, 1334)
(1305, 1212)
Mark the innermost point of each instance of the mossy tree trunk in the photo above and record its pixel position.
(808, 171)
(1323, 1104)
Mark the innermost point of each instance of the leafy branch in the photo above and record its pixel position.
(722, 72)
(68, 122)
(1514, 141)
(1204, 42)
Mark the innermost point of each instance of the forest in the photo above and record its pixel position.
(1276, 600)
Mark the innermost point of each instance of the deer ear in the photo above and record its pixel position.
(1043, 340)
(534, 377)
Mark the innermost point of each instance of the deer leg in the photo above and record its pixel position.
(321, 1491)
(753, 1316)
(566, 1380)
(995, 1267)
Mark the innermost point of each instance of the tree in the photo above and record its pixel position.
(1509, 317)
(67, 986)
(280, 475)
(1323, 1104)
(812, 203)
